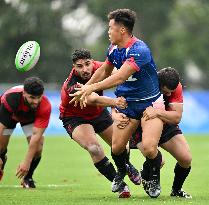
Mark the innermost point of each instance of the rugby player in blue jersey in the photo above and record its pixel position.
(137, 81)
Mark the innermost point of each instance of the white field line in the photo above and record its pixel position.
(44, 185)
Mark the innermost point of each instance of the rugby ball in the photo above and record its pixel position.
(27, 56)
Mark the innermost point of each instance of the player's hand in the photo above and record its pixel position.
(81, 95)
(121, 102)
(150, 113)
(120, 119)
(22, 169)
(76, 98)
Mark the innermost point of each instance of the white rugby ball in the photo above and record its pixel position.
(27, 56)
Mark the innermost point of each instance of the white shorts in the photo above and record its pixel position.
(27, 129)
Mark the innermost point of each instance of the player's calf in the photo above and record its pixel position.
(3, 160)
(106, 168)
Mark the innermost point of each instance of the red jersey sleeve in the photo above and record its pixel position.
(177, 95)
(43, 114)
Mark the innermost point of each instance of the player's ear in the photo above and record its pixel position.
(123, 29)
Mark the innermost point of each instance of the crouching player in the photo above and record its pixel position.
(28, 106)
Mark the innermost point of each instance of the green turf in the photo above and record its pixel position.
(65, 164)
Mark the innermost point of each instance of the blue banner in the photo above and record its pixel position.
(195, 118)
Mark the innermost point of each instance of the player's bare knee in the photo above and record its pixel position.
(94, 149)
(149, 151)
(185, 161)
(116, 149)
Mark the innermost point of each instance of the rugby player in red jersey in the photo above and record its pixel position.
(172, 140)
(28, 106)
(83, 124)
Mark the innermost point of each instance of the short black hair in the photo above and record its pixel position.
(81, 53)
(34, 86)
(126, 17)
(168, 77)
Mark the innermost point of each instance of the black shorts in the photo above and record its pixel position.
(169, 131)
(100, 123)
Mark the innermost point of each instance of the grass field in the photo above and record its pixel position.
(67, 176)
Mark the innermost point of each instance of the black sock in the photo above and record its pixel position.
(146, 171)
(106, 168)
(3, 158)
(127, 156)
(154, 165)
(120, 161)
(180, 176)
(33, 166)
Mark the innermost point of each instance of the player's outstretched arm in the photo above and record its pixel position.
(104, 101)
(101, 73)
(119, 77)
(173, 116)
(33, 148)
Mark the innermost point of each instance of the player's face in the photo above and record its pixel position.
(115, 32)
(84, 68)
(31, 100)
(166, 91)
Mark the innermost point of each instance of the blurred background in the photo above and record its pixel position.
(177, 32)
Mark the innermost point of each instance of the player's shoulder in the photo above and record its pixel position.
(177, 95)
(14, 90)
(139, 46)
(179, 89)
(13, 95)
(97, 64)
(71, 79)
(45, 100)
(12, 98)
(45, 103)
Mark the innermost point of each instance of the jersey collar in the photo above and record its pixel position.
(132, 40)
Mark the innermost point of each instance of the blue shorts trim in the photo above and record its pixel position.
(135, 109)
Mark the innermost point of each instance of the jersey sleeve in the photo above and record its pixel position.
(43, 115)
(177, 95)
(109, 58)
(70, 83)
(138, 56)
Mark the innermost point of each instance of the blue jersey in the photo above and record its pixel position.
(143, 84)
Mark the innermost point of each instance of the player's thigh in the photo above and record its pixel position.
(85, 135)
(5, 136)
(103, 126)
(106, 135)
(4, 141)
(179, 149)
(28, 132)
(121, 137)
(151, 132)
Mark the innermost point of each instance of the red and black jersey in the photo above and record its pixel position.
(69, 110)
(175, 97)
(14, 106)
